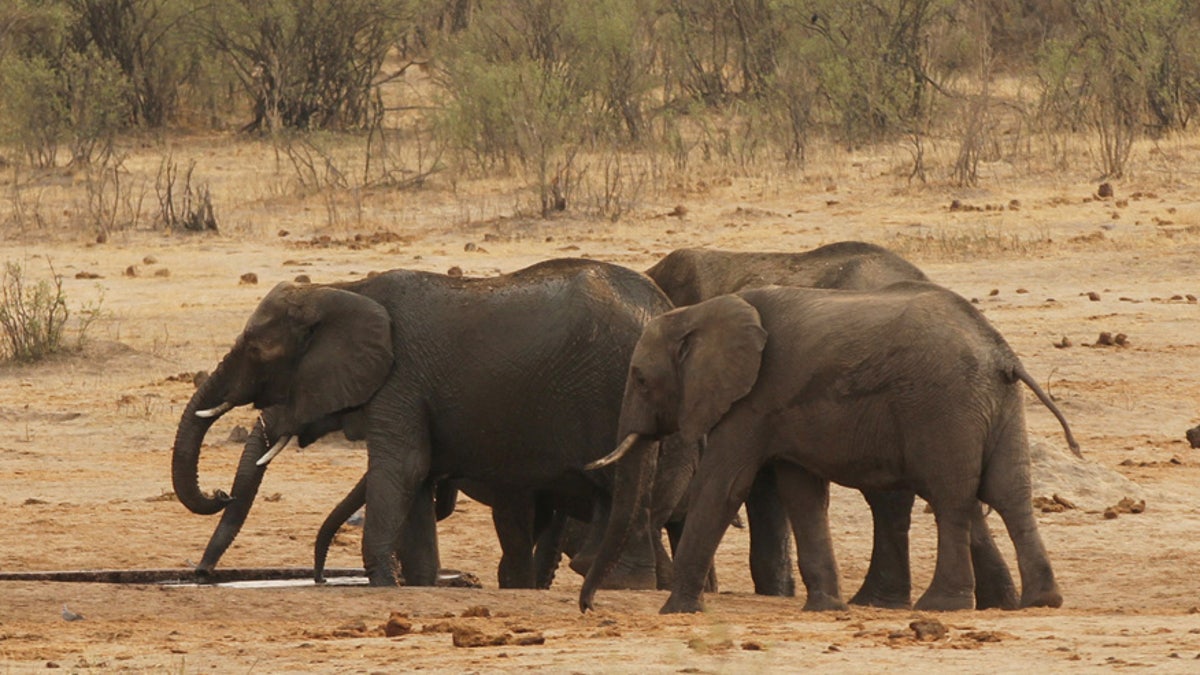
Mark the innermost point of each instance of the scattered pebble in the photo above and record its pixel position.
(302, 279)
(928, 630)
(397, 624)
(248, 278)
(1093, 296)
(1105, 191)
(455, 272)
(477, 610)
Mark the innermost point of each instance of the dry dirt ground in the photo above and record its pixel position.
(85, 439)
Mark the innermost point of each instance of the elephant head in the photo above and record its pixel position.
(307, 352)
(689, 368)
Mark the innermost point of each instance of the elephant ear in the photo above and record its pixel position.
(348, 353)
(719, 357)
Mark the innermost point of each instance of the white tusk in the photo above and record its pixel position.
(613, 456)
(215, 412)
(275, 450)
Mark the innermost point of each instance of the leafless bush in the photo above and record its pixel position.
(183, 207)
(112, 203)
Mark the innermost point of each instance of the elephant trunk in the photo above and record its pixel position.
(185, 459)
(245, 487)
(630, 510)
(333, 522)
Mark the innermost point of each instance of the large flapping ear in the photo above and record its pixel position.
(720, 352)
(348, 354)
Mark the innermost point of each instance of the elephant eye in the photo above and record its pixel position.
(638, 378)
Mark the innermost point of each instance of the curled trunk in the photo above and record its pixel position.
(185, 458)
(630, 512)
(245, 487)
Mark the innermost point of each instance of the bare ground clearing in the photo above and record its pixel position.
(84, 444)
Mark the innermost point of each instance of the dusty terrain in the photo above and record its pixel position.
(85, 439)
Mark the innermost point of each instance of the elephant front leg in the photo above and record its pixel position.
(720, 489)
(418, 550)
(397, 467)
(806, 497)
(888, 582)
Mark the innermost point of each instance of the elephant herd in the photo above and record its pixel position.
(721, 379)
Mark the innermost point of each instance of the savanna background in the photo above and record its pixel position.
(163, 164)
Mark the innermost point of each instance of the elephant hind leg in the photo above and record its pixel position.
(889, 581)
(513, 516)
(806, 497)
(770, 537)
(994, 587)
(1006, 488)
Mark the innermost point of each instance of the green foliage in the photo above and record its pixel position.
(1130, 66)
(34, 314)
(34, 114)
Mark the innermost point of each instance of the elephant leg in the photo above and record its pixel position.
(1005, 487)
(418, 550)
(770, 535)
(397, 466)
(953, 585)
(720, 488)
(585, 555)
(806, 497)
(994, 587)
(513, 516)
(674, 533)
(888, 582)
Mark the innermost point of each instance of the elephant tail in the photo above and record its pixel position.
(1018, 372)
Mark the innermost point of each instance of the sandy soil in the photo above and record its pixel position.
(85, 439)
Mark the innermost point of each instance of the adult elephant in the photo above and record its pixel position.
(692, 275)
(904, 388)
(514, 380)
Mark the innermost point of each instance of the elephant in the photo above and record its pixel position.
(691, 275)
(903, 388)
(514, 381)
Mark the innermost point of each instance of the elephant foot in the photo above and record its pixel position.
(1003, 596)
(869, 598)
(945, 602)
(678, 605)
(823, 602)
(1049, 597)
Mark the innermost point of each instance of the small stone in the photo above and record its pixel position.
(1105, 339)
(455, 272)
(282, 233)
(131, 271)
(302, 279)
(248, 278)
(1105, 191)
(478, 611)
(753, 646)
(1093, 296)
(994, 292)
(928, 630)
(470, 246)
(162, 272)
(149, 260)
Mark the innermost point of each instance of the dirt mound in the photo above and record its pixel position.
(1087, 484)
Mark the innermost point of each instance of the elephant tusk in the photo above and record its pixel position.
(215, 412)
(275, 450)
(613, 456)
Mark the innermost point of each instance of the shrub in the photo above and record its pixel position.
(34, 314)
